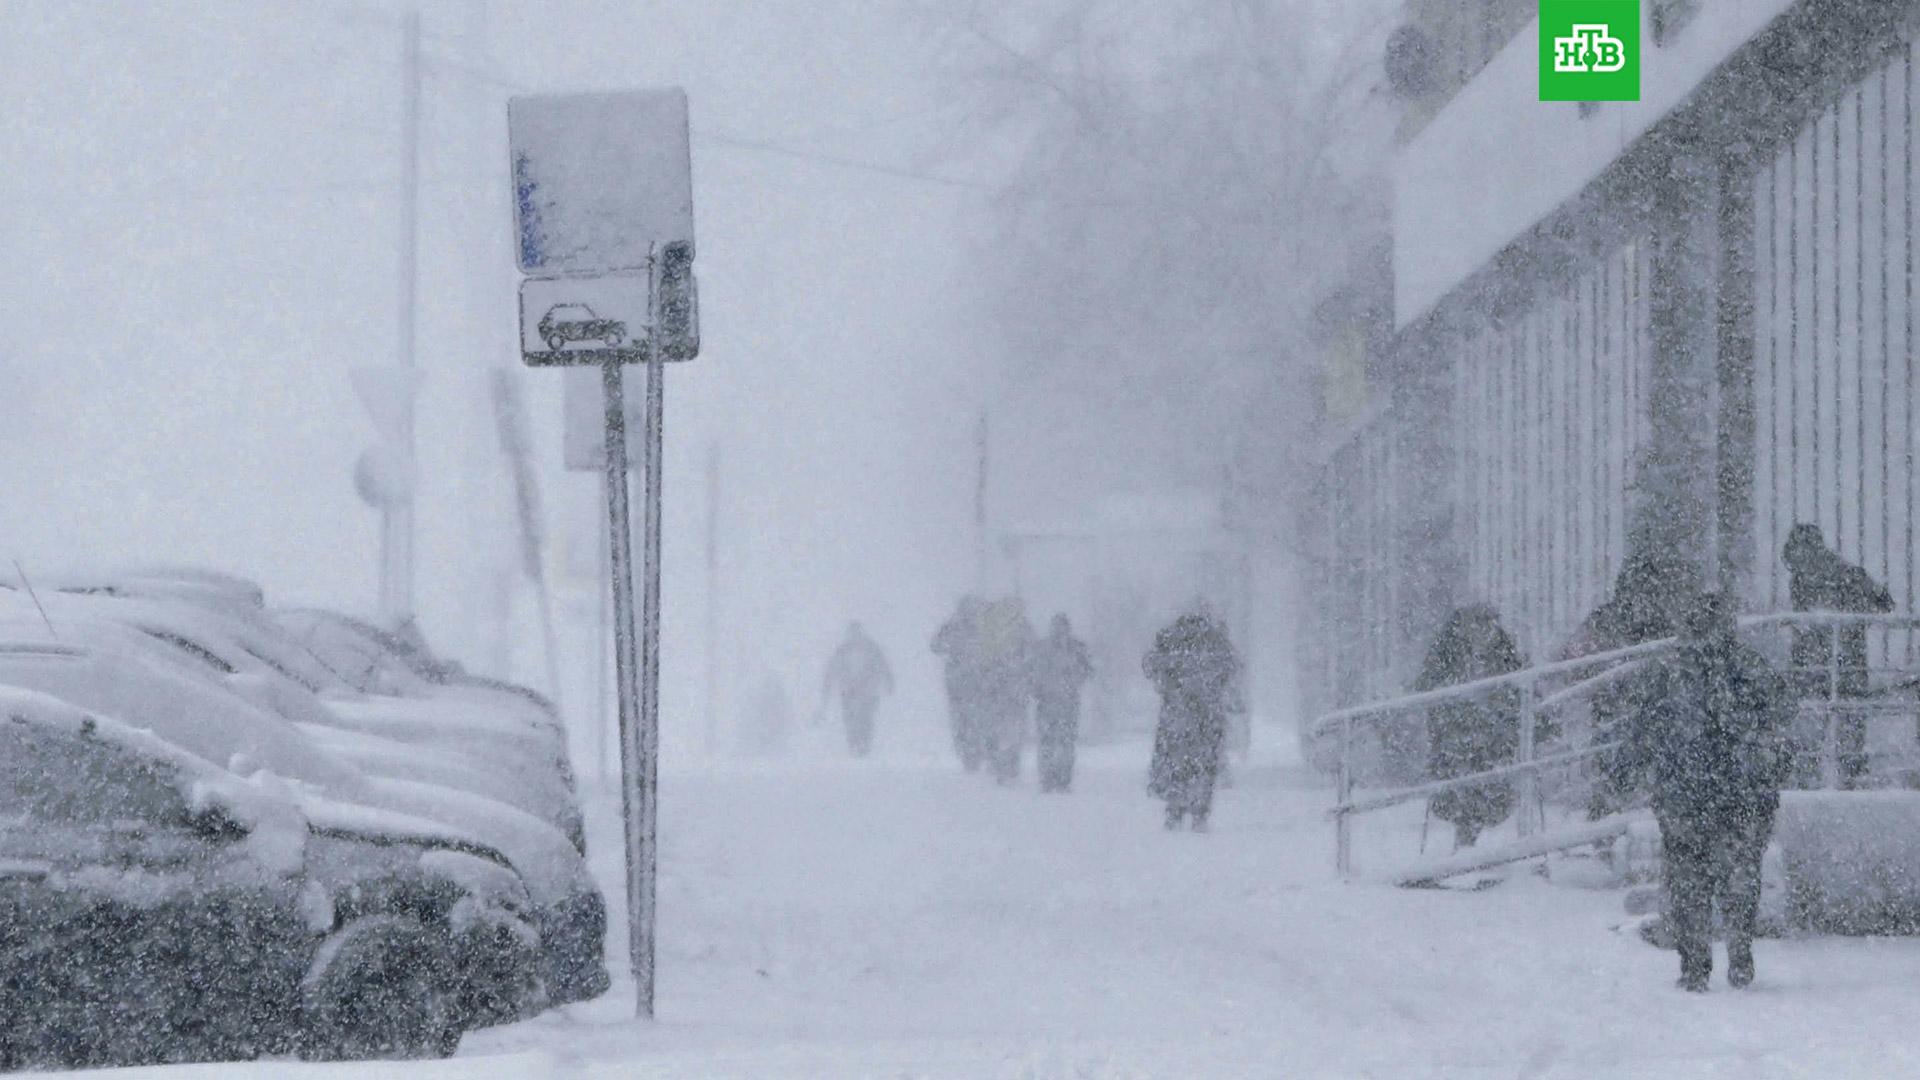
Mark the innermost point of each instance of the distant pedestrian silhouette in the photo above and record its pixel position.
(859, 672)
(1060, 667)
(957, 644)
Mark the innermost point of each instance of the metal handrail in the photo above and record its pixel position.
(1481, 687)
(1436, 787)
(1624, 662)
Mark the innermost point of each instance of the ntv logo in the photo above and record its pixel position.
(1589, 50)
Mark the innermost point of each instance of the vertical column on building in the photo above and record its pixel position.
(1678, 501)
(1737, 407)
(1431, 575)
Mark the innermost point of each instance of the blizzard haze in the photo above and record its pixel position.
(1227, 538)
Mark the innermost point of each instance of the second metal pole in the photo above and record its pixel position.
(650, 658)
(627, 683)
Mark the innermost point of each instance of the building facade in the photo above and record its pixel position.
(1684, 323)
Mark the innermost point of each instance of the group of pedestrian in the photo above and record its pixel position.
(1707, 729)
(996, 671)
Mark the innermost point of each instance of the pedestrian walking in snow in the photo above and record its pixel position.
(1638, 610)
(957, 644)
(1712, 744)
(1820, 580)
(1476, 734)
(860, 674)
(1004, 690)
(1060, 667)
(1197, 673)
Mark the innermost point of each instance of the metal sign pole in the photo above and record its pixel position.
(586, 218)
(649, 735)
(626, 675)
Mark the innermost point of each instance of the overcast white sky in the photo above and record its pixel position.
(198, 232)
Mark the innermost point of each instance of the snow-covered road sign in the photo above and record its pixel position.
(590, 319)
(600, 181)
(603, 217)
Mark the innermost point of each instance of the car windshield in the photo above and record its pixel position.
(370, 661)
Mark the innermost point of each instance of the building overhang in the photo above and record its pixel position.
(1496, 161)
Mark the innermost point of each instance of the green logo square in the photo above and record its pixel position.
(1589, 50)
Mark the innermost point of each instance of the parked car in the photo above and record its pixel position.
(412, 695)
(497, 746)
(155, 907)
(196, 712)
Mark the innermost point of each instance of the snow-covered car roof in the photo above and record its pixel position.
(157, 581)
(199, 718)
(193, 714)
(475, 773)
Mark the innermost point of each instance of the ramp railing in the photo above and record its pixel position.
(1542, 694)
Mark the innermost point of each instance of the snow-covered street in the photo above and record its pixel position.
(898, 919)
(907, 921)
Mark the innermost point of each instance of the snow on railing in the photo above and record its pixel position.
(1526, 768)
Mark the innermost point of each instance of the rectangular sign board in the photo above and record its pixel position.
(589, 319)
(600, 181)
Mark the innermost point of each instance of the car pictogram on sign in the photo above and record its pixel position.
(576, 322)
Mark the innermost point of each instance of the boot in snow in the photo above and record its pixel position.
(1739, 966)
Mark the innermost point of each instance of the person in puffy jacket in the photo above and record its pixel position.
(1711, 741)
(1473, 735)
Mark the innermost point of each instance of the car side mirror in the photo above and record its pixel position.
(216, 823)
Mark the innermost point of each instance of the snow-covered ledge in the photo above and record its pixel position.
(1497, 160)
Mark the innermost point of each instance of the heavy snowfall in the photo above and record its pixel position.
(960, 538)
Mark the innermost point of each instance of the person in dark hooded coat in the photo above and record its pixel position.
(1197, 672)
(1820, 580)
(1060, 667)
(1472, 735)
(1711, 740)
(1638, 610)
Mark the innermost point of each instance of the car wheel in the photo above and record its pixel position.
(382, 987)
(554, 341)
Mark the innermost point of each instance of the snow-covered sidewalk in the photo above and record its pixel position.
(901, 920)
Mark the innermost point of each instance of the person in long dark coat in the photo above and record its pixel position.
(1473, 735)
(1060, 667)
(1820, 580)
(1712, 741)
(1197, 672)
(860, 674)
(957, 644)
(1638, 610)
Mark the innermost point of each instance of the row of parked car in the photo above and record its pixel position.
(229, 830)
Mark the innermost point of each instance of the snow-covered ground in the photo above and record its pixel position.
(896, 919)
